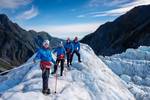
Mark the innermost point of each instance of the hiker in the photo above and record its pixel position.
(60, 51)
(76, 46)
(45, 56)
(69, 50)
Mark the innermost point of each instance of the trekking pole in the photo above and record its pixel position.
(56, 77)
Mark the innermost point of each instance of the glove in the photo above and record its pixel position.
(42, 68)
(70, 53)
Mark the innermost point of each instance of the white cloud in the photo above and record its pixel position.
(81, 16)
(71, 30)
(114, 12)
(13, 3)
(136, 3)
(121, 9)
(99, 3)
(28, 14)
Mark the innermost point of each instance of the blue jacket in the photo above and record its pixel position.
(44, 54)
(59, 51)
(76, 46)
(69, 46)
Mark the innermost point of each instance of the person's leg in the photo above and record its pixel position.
(45, 80)
(62, 67)
(55, 66)
(71, 58)
(78, 54)
(45, 76)
(68, 59)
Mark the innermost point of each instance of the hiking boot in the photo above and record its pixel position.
(61, 74)
(80, 61)
(44, 91)
(53, 72)
(70, 63)
(48, 91)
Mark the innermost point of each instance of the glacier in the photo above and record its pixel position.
(133, 67)
(90, 80)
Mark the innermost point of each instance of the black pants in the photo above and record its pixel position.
(78, 54)
(68, 58)
(45, 76)
(61, 61)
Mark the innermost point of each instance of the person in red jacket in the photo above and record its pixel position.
(46, 60)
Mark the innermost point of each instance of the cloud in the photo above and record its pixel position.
(136, 3)
(28, 14)
(99, 3)
(122, 7)
(114, 12)
(81, 16)
(62, 31)
(13, 3)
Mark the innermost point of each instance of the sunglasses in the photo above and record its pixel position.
(46, 44)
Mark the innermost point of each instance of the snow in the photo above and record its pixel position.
(133, 66)
(89, 80)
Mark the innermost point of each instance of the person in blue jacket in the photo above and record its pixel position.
(45, 56)
(69, 50)
(76, 50)
(60, 51)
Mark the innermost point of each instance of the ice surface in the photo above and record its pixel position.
(89, 80)
(133, 66)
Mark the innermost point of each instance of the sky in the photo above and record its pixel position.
(66, 18)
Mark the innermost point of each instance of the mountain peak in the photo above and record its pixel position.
(128, 31)
(3, 18)
(17, 44)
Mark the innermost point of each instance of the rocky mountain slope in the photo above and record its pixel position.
(128, 31)
(17, 44)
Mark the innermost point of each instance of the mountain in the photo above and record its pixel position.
(128, 31)
(89, 80)
(17, 45)
(133, 66)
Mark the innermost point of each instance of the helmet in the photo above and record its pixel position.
(61, 44)
(46, 42)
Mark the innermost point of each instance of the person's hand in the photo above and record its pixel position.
(71, 53)
(42, 68)
(76, 50)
